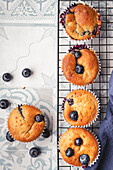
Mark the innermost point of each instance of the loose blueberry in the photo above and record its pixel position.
(9, 137)
(69, 152)
(6, 77)
(26, 72)
(34, 152)
(79, 69)
(74, 115)
(77, 54)
(4, 104)
(84, 159)
(78, 141)
(39, 118)
(46, 133)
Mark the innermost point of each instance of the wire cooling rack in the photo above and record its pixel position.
(103, 45)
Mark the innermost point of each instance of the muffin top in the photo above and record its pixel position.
(80, 66)
(81, 21)
(26, 123)
(78, 147)
(80, 108)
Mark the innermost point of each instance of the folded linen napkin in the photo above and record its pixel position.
(106, 136)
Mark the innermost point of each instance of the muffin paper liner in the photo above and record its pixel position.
(17, 141)
(99, 148)
(98, 112)
(85, 46)
(66, 11)
(99, 63)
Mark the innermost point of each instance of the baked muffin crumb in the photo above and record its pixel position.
(83, 110)
(81, 21)
(83, 69)
(26, 123)
(76, 143)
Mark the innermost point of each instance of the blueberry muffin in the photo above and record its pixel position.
(80, 66)
(81, 21)
(26, 123)
(78, 147)
(80, 108)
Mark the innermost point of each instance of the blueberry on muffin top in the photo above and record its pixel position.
(80, 66)
(83, 110)
(78, 147)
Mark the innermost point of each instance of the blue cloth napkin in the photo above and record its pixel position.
(106, 136)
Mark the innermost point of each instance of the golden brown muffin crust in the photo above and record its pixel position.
(85, 17)
(81, 22)
(89, 146)
(85, 104)
(25, 129)
(90, 63)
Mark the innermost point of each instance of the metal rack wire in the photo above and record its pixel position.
(103, 45)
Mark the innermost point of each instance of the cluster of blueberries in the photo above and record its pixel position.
(84, 158)
(7, 76)
(79, 68)
(4, 103)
